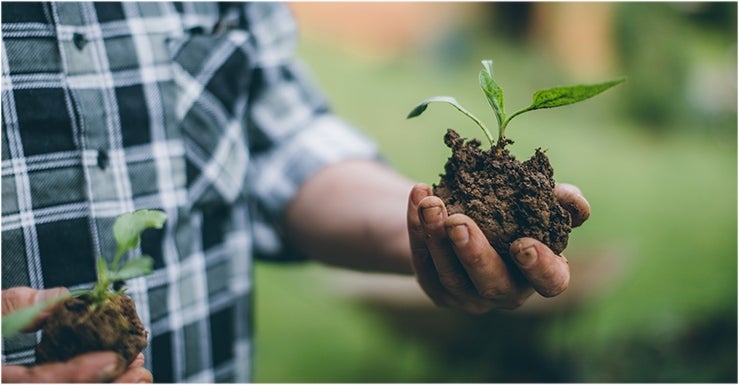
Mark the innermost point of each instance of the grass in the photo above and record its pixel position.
(306, 333)
(666, 204)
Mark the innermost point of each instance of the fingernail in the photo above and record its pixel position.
(47, 295)
(526, 257)
(459, 235)
(431, 214)
(419, 192)
(43, 295)
(109, 372)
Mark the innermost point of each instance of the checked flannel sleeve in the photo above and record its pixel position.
(197, 109)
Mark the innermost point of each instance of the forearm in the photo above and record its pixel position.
(353, 214)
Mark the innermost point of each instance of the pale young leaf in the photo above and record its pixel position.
(128, 227)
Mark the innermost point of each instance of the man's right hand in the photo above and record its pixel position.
(457, 267)
(90, 367)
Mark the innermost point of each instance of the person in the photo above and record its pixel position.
(201, 110)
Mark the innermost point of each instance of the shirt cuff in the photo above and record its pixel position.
(275, 177)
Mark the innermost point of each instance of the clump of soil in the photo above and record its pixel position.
(508, 199)
(75, 327)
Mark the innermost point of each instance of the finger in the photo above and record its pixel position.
(136, 373)
(570, 197)
(138, 361)
(17, 298)
(21, 297)
(489, 273)
(415, 228)
(91, 367)
(449, 270)
(547, 272)
(423, 265)
(42, 296)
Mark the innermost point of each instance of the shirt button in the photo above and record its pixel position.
(103, 159)
(79, 40)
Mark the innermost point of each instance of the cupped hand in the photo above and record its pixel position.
(457, 267)
(89, 367)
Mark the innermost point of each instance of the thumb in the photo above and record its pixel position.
(22, 297)
(547, 272)
(47, 294)
(42, 296)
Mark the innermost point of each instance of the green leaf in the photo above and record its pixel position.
(493, 92)
(421, 107)
(16, 321)
(562, 96)
(133, 268)
(128, 227)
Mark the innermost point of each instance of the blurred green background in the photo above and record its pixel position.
(654, 271)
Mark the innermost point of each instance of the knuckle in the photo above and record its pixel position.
(415, 230)
(500, 290)
(474, 260)
(453, 281)
(45, 373)
(15, 298)
(492, 293)
(8, 303)
(555, 290)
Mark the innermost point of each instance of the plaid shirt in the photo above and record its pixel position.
(197, 109)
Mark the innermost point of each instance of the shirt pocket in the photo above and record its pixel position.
(212, 78)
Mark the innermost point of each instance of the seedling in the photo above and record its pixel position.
(508, 199)
(82, 313)
(548, 98)
(127, 231)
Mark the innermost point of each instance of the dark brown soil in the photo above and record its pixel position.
(508, 199)
(75, 328)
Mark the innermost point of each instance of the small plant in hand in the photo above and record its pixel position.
(103, 318)
(508, 199)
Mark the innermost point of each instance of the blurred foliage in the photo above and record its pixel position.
(652, 55)
(657, 159)
(667, 50)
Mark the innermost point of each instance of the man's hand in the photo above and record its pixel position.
(457, 267)
(90, 367)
